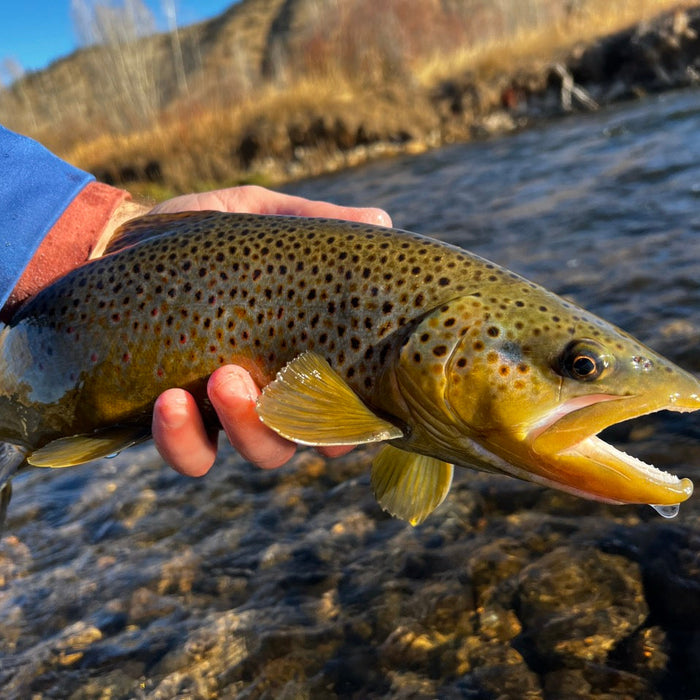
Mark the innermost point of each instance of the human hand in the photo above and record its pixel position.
(178, 429)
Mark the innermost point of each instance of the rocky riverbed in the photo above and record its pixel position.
(126, 580)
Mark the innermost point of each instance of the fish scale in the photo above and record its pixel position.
(439, 345)
(246, 292)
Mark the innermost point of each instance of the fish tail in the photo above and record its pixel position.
(11, 458)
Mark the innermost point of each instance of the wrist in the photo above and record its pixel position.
(87, 221)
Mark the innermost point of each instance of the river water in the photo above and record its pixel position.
(123, 579)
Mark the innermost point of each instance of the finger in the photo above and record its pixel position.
(264, 201)
(252, 199)
(180, 435)
(233, 393)
(335, 450)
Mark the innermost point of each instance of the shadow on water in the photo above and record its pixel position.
(123, 578)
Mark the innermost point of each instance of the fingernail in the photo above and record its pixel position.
(235, 381)
(382, 218)
(173, 410)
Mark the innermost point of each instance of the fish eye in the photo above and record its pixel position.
(583, 360)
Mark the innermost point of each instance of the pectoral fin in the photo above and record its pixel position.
(77, 449)
(311, 404)
(408, 485)
(11, 458)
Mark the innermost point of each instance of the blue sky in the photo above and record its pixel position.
(36, 32)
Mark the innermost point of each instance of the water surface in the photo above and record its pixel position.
(124, 579)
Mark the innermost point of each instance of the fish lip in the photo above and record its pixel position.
(582, 463)
(571, 416)
(572, 406)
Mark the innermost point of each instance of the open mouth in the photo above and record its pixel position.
(570, 453)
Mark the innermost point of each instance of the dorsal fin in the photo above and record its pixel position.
(151, 226)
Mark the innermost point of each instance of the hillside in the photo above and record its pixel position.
(276, 89)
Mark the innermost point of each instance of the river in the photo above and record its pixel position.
(123, 579)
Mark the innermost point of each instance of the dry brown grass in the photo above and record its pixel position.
(545, 42)
(323, 72)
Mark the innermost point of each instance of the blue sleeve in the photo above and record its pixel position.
(35, 189)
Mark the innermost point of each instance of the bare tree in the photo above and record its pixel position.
(11, 78)
(171, 14)
(124, 61)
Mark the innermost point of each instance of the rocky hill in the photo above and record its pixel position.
(276, 89)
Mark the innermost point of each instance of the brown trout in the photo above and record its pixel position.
(358, 334)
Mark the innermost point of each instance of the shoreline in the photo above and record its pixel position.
(331, 132)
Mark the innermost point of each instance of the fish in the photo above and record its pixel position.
(357, 334)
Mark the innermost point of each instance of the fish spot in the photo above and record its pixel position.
(462, 362)
(504, 370)
(493, 331)
(440, 351)
(478, 345)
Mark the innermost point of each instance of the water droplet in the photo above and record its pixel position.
(667, 511)
(115, 454)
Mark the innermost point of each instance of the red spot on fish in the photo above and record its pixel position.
(183, 338)
(160, 372)
(126, 357)
(154, 312)
(93, 357)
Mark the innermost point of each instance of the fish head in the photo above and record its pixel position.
(528, 380)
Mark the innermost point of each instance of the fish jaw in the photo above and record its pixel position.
(567, 451)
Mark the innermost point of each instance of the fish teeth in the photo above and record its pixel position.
(648, 469)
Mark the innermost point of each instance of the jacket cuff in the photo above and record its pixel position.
(69, 242)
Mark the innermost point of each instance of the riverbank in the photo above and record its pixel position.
(329, 123)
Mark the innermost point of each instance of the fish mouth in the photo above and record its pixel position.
(570, 455)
